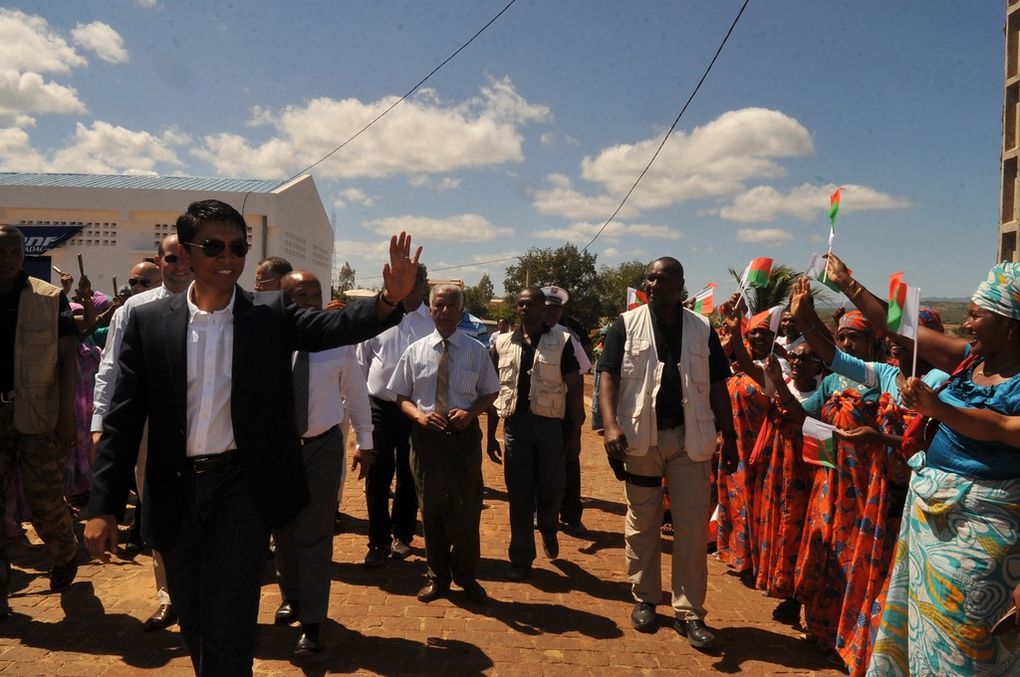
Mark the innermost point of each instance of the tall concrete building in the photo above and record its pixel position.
(1009, 216)
(116, 221)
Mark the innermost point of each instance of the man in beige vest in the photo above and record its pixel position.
(663, 397)
(37, 381)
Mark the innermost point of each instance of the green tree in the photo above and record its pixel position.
(345, 279)
(613, 283)
(476, 298)
(565, 267)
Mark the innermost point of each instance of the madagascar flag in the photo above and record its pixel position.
(758, 272)
(704, 300)
(818, 443)
(635, 298)
(834, 208)
(904, 306)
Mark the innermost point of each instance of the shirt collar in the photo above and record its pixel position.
(455, 338)
(194, 310)
(519, 332)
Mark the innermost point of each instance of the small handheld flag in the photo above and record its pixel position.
(758, 272)
(704, 300)
(817, 270)
(773, 315)
(818, 443)
(904, 306)
(635, 298)
(834, 208)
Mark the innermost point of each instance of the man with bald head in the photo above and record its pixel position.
(144, 276)
(38, 370)
(175, 275)
(326, 384)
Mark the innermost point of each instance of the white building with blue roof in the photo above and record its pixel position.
(115, 221)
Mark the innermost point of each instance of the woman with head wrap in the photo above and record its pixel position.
(847, 544)
(750, 393)
(957, 560)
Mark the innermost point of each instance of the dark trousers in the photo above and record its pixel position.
(571, 509)
(392, 444)
(533, 468)
(304, 548)
(448, 476)
(214, 572)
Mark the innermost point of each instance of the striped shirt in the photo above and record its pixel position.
(471, 372)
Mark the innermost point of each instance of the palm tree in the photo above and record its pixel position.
(775, 293)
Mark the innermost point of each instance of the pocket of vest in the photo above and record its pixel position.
(635, 356)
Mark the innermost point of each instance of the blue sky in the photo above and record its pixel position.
(533, 133)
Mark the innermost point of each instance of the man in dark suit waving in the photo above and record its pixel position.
(224, 463)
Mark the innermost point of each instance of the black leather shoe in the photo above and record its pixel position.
(376, 556)
(518, 572)
(308, 642)
(550, 546)
(286, 613)
(698, 636)
(163, 617)
(433, 590)
(63, 575)
(475, 592)
(643, 617)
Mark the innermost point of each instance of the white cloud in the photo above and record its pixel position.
(353, 196)
(562, 199)
(423, 135)
(423, 181)
(146, 4)
(348, 250)
(713, 160)
(104, 148)
(101, 39)
(447, 183)
(25, 93)
(611, 252)
(459, 227)
(552, 138)
(17, 154)
(177, 137)
(581, 232)
(772, 237)
(805, 202)
(28, 42)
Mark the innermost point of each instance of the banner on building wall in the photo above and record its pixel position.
(41, 239)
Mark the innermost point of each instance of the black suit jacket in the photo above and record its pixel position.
(153, 385)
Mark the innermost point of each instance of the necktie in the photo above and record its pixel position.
(300, 380)
(443, 380)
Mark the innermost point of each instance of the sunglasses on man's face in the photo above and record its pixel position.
(212, 248)
(170, 258)
(145, 282)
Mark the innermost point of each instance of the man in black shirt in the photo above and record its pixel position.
(37, 382)
(667, 401)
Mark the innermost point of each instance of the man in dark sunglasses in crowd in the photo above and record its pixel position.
(224, 464)
(144, 276)
(176, 276)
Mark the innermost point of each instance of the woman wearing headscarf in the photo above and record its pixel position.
(957, 559)
(864, 404)
(750, 393)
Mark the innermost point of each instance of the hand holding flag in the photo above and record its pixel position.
(819, 447)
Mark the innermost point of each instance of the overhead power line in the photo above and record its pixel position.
(671, 128)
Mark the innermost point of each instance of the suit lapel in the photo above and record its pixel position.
(175, 335)
(244, 331)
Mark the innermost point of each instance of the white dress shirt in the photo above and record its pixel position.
(109, 366)
(210, 357)
(470, 370)
(378, 356)
(335, 383)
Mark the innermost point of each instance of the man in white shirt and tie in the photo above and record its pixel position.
(325, 385)
(392, 532)
(443, 382)
(176, 275)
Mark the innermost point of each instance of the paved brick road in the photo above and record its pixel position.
(571, 618)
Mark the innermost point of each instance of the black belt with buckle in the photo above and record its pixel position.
(213, 462)
(668, 422)
(313, 438)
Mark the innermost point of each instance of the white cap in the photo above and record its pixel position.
(555, 296)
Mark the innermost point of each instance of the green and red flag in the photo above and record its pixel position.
(758, 272)
(819, 447)
(704, 300)
(904, 307)
(834, 200)
(635, 298)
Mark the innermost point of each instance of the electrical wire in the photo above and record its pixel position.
(671, 128)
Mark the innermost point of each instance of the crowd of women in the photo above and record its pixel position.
(902, 557)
